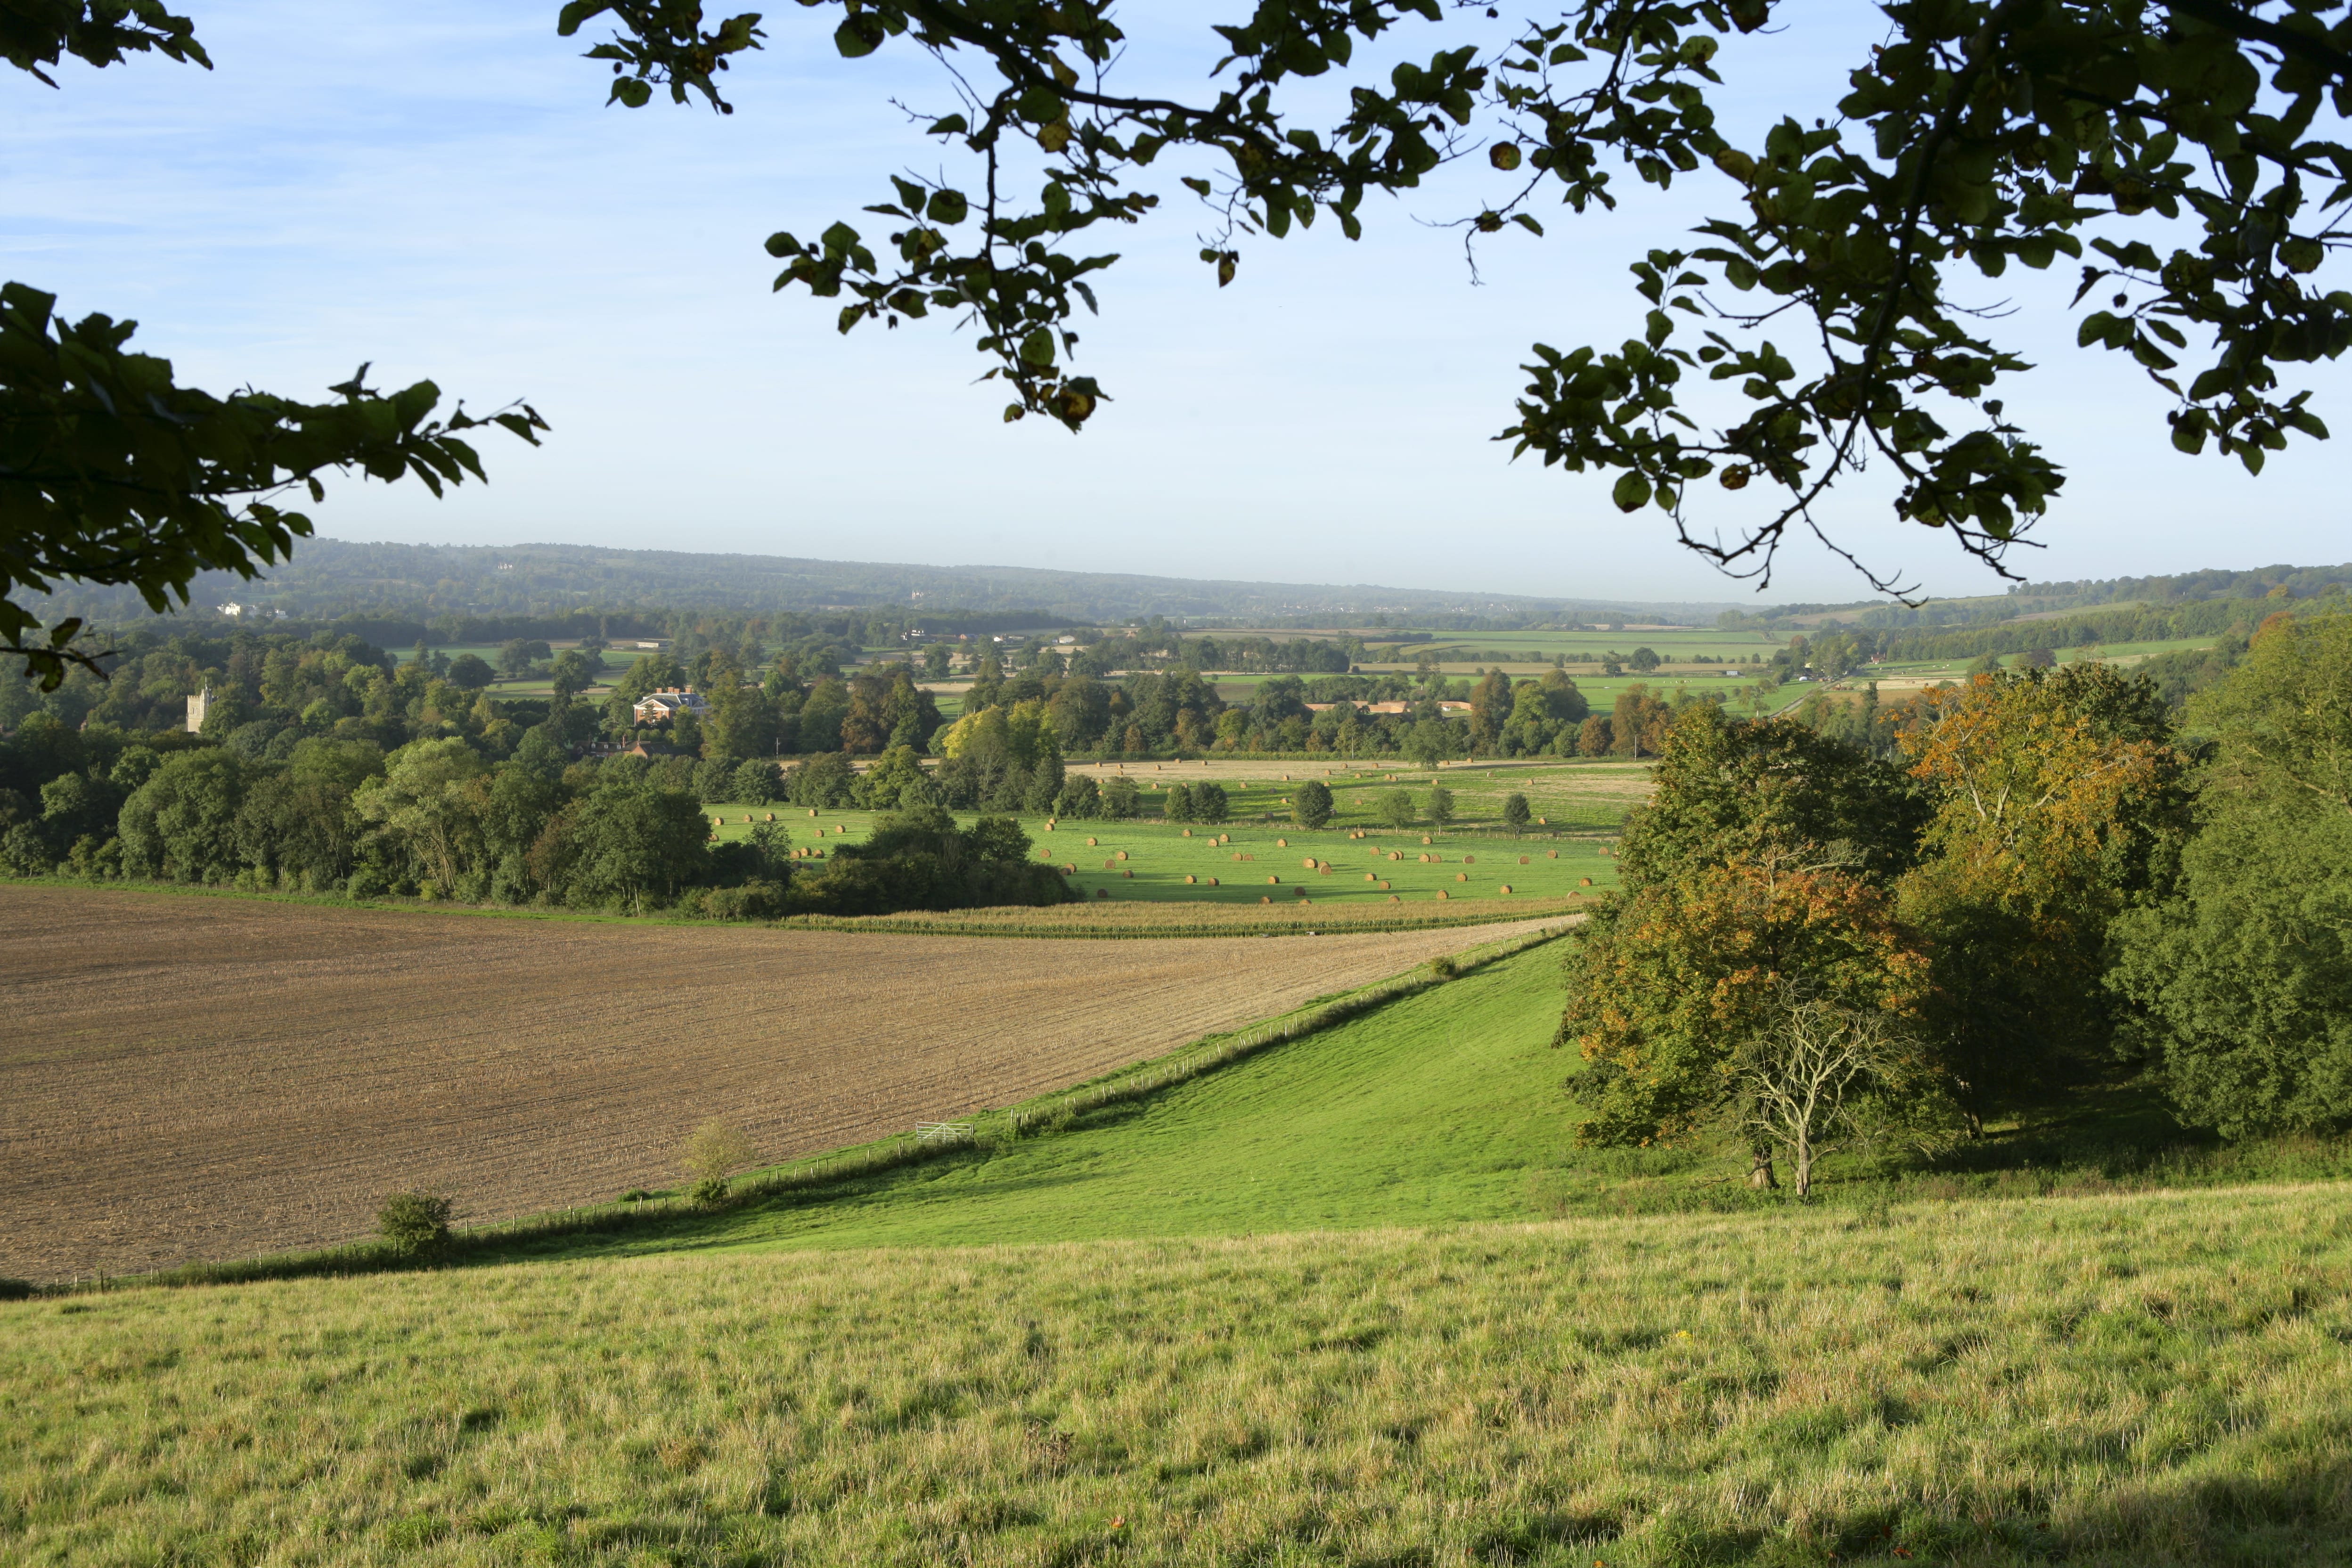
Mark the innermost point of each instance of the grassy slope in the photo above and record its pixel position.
(2137, 1381)
(1437, 1109)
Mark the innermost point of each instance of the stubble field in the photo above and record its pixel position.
(188, 1077)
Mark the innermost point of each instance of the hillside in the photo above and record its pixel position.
(328, 578)
(2137, 1382)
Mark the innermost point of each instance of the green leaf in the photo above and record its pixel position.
(1632, 492)
(1038, 348)
(858, 36)
(948, 206)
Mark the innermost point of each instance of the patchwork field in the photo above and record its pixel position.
(185, 1076)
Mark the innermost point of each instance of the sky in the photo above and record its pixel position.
(438, 188)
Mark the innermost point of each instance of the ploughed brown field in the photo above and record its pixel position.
(185, 1076)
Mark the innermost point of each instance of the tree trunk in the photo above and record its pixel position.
(1761, 1177)
(1804, 1172)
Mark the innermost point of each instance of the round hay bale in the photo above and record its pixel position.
(747, 816)
(1585, 883)
(1190, 880)
(1543, 821)
(1274, 881)
(1188, 833)
(1523, 859)
(1213, 881)
(1393, 899)
(1370, 877)
(1460, 875)
(1264, 899)
(1122, 854)
(771, 816)
(1469, 859)
(1505, 887)
(1110, 865)
(1384, 887)
(1282, 844)
(1553, 856)
(812, 811)
(1442, 893)
(1090, 843)
(1310, 862)
(718, 822)
(1128, 875)
(1069, 870)
(1102, 892)
(1300, 891)
(1425, 838)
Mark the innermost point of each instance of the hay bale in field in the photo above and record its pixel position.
(1542, 821)
(1282, 844)
(1425, 838)
(1213, 881)
(1128, 875)
(1553, 856)
(812, 811)
(1122, 854)
(1102, 892)
(1300, 891)
(1392, 897)
(1585, 883)
(1460, 875)
(1441, 893)
(1188, 833)
(1189, 878)
(718, 822)
(1396, 854)
(1505, 887)
(1384, 887)
(1110, 865)
(1264, 899)
(1274, 881)
(1469, 859)
(1311, 862)
(771, 816)
(1090, 843)
(1523, 859)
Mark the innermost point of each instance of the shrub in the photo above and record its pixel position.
(1209, 802)
(1441, 806)
(713, 1153)
(1081, 798)
(1178, 805)
(1514, 810)
(414, 1224)
(1396, 808)
(1121, 799)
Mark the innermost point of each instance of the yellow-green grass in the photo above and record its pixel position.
(2151, 1380)
(1190, 916)
(1157, 858)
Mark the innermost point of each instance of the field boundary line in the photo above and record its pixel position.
(370, 1255)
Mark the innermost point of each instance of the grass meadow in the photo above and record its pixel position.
(1149, 859)
(2145, 1380)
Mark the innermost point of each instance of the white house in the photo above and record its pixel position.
(660, 706)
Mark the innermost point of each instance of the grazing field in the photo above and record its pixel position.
(1568, 853)
(2157, 1380)
(185, 1077)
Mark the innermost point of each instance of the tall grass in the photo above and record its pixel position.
(1176, 918)
(2142, 1382)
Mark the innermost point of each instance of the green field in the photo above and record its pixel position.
(1474, 860)
(1244, 1321)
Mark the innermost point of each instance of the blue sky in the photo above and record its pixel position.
(436, 187)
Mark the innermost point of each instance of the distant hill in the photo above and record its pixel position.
(331, 577)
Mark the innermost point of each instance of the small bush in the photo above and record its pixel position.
(714, 1152)
(1443, 967)
(414, 1224)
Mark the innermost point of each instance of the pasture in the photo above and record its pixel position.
(1252, 860)
(190, 1077)
(2155, 1380)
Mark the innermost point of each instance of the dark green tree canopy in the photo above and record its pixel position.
(2182, 152)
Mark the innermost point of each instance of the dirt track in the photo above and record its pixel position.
(185, 1076)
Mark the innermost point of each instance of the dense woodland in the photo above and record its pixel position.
(2044, 883)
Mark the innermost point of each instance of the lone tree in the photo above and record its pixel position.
(1311, 805)
(1396, 807)
(712, 1154)
(2180, 151)
(1514, 810)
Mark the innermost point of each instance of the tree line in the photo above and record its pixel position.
(2049, 883)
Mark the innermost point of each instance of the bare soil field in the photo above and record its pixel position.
(185, 1076)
